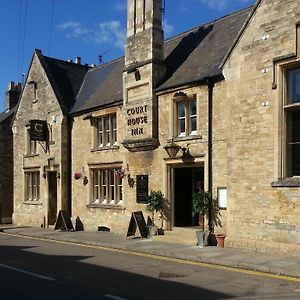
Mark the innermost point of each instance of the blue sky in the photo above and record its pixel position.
(66, 29)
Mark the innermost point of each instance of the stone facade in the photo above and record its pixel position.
(6, 153)
(231, 133)
(261, 216)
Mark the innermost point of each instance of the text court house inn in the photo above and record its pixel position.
(226, 92)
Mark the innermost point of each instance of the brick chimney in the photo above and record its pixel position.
(13, 94)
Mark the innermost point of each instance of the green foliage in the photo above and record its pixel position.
(155, 202)
(201, 202)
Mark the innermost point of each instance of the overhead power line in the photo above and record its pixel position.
(51, 28)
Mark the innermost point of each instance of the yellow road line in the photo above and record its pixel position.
(163, 258)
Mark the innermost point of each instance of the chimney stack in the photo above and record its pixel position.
(78, 60)
(13, 94)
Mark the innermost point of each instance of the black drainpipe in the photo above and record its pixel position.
(210, 87)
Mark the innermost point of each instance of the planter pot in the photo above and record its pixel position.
(220, 239)
(151, 230)
(200, 238)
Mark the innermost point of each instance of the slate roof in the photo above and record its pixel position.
(189, 57)
(66, 78)
(6, 114)
(102, 86)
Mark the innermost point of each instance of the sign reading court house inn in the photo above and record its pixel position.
(137, 118)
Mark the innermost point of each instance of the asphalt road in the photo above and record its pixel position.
(36, 269)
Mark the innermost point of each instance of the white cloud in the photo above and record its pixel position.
(120, 5)
(73, 29)
(110, 33)
(168, 28)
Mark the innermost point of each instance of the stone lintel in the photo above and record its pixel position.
(141, 145)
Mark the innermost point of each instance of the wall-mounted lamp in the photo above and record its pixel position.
(172, 149)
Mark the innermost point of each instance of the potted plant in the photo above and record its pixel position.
(155, 205)
(205, 206)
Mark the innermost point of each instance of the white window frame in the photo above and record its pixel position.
(106, 187)
(32, 186)
(187, 117)
(289, 107)
(105, 131)
(31, 146)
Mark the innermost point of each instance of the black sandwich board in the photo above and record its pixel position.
(137, 220)
(63, 221)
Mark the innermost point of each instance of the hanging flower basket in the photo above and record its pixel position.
(77, 175)
(120, 173)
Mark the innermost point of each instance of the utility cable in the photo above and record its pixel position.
(24, 35)
(51, 28)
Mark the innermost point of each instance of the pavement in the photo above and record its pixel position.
(230, 257)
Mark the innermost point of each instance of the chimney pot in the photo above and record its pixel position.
(78, 60)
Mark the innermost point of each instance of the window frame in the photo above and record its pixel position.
(32, 184)
(31, 146)
(288, 109)
(105, 131)
(107, 186)
(186, 117)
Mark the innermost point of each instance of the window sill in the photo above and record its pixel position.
(31, 155)
(106, 206)
(29, 202)
(187, 138)
(287, 182)
(114, 147)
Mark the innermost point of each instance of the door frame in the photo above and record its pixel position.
(170, 189)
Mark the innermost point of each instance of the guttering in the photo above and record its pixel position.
(210, 86)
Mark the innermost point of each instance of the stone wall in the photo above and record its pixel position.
(45, 107)
(260, 216)
(6, 171)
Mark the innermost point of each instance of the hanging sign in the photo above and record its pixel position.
(38, 130)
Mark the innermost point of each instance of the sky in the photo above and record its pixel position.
(65, 29)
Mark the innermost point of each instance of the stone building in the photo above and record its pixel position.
(129, 109)
(42, 167)
(6, 153)
(225, 94)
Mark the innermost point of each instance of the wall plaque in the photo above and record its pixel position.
(142, 183)
(138, 93)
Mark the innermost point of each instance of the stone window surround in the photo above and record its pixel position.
(177, 97)
(103, 166)
(31, 170)
(30, 146)
(93, 117)
(281, 66)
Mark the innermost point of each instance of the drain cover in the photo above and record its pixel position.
(170, 275)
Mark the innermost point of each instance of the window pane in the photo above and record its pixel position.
(181, 126)
(100, 132)
(193, 124)
(114, 128)
(295, 159)
(296, 126)
(294, 86)
(181, 109)
(193, 108)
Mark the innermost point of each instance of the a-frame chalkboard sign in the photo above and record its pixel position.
(63, 221)
(137, 221)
